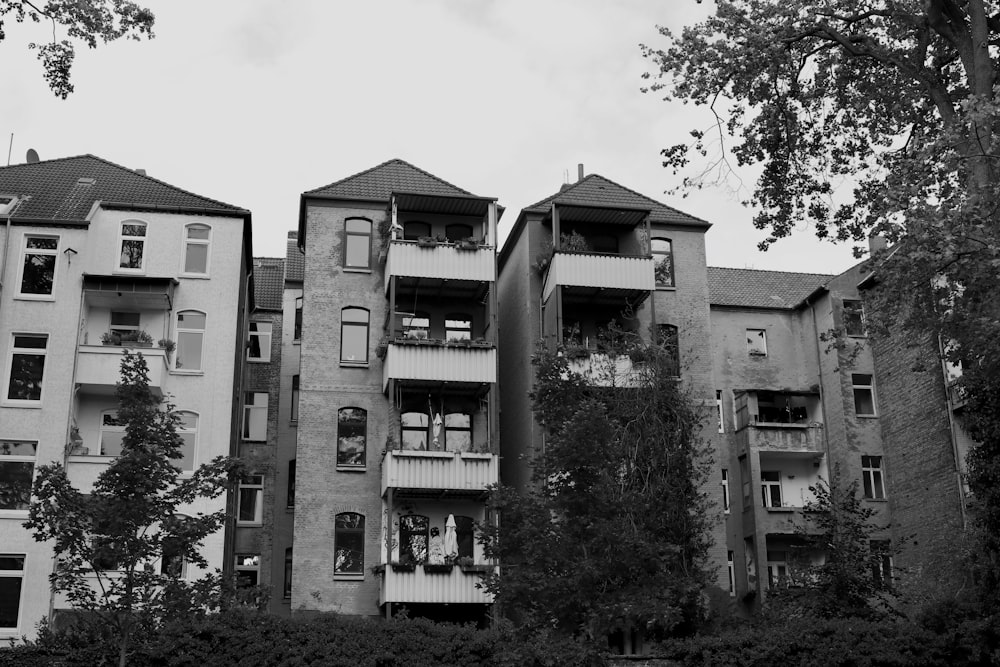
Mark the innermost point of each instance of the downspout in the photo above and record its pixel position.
(3, 258)
(953, 432)
(822, 389)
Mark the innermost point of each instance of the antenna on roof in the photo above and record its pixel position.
(9, 147)
(32, 156)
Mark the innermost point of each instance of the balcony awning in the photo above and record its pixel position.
(605, 215)
(443, 204)
(140, 292)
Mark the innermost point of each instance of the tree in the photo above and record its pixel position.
(88, 22)
(612, 536)
(107, 541)
(868, 117)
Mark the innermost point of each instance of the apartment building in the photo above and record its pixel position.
(397, 419)
(95, 258)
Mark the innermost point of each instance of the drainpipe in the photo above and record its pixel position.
(953, 432)
(3, 257)
(822, 389)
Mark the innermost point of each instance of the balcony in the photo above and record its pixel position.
(98, 367)
(602, 370)
(417, 585)
(422, 472)
(440, 260)
(613, 272)
(781, 437)
(428, 360)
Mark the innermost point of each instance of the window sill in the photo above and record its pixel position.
(876, 500)
(354, 364)
(666, 288)
(258, 361)
(343, 468)
(90, 458)
(34, 297)
(195, 276)
(249, 524)
(177, 372)
(866, 416)
(780, 510)
(356, 270)
(30, 405)
(349, 577)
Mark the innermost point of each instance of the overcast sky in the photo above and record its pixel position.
(255, 101)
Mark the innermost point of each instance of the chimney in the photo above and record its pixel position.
(579, 172)
(141, 172)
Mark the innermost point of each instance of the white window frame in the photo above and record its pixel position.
(102, 429)
(356, 234)
(30, 351)
(15, 574)
(858, 384)
(5, 445)
(766, 486)
(755, 350)
(178, 330)
(253, 567)
(252, 411)
(726, 499)
(188, 242)
(255, 485)
(731, 567)
(860, 310)
(182, 430)
(263, 336)
(123, 237)
(25, 252)
(777, 570)
(872, 471)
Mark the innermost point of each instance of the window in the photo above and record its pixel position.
(663, 262)
(124, 323)
(349, 543)
(172, 563)
(352, 436)
(864, 395)
(458, 432)
(872, 477)
(730, 566)
(416, 326)
(290, 500)
(196, 248)
(458, 232)
(668, 341)
(17, 469)
(112, 432)
(854, 317)
(259, 349)
(413, 537)
(250, 501)
(770, 487)
(255, 416)
(27, 365)
(415, 427)
(295, 398)
(357, 246)
(247, 570)
(464, 528)
(187, 429)
(881, 561)
(287, 589)
(298, 319)
(11, 578)
(458, 326)
(190, 340)
(757, 342)
(414, 230)
(133, 244)
(725, 490)
(777, 569)
(718, 409)
(354, 335)
(745, 479)
(38, 269)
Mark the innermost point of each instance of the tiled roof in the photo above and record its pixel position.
(66, 189)
(751, 288)
(380, 181)
(595, 190)
(268, 282)
(295, 261)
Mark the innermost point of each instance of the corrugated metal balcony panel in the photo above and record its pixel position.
(418, 586)
(408, 259)
(592, 270)
(439, 363)
(98, 367)
(439, 470)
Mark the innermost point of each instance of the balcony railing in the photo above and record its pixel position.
(596, 270)
(602, 370)
(782, 437)
(442, 260)
(426, 471)
(431, 360)
(417, 585)
(98, 367)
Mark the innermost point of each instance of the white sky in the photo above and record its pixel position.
(255, 101)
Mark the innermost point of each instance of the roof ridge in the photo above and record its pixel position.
(800, 273)
(384, 164)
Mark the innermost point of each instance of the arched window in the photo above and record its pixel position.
(458, 326)
(349, 543)
(458, 232)
(413, 537)
(458, 432)
(354, 335)
(352, 436)
(416, 325)
(358, 243)
(464, 533)
(196, 246)
(112, 432)
(415, 427)
(663, 261)
(132, 239)
(188, 431)
(414, 229)
(190, 340)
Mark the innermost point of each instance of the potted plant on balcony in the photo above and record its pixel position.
(427, 241)
(111, 338)
(382, 347)
(404, 564)
(437, 568)
(467, 244)
(468, 566)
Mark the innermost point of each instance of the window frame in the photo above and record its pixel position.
(38, 252)
(189, 241)
(252, 407)
(767, 487)
(881, 563)
(450, 229)
(726, 500)
(447, 428)
(19, 461)
(669, 340)
(296, 397)
(348, 235)
(253, 567)
(406, 536)
(754, 350)
(290, 489)
(340, 533)
(348, 412)
(859, 386)
(853, 317)
(731, 567)
(424, 428)
(178, 330)
(123, 238)
(262, 336)
(251, 488)
(109, 428)
(669, 253)
(718, 407)
(872, 471)
(16, 351)
(297, 324)
(345, 326)
(7, 630)
(182, 430)
(777, 569)
(457, 333)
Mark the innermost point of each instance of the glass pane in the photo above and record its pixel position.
(124, 319)
(350, 556)
(40, 243)
(131, 254)
(196, 258)
(349, 521)
(133, 230)
(458, 232)
(14, 448)
(26, 377)
(191, 320)
(359, 226)
(186, 462)
(39, 272)
(463, 531)
(32, 342)
(415, 441)
(15, 484)
(354, 315)
(200, 232)
(111, 443)
(11, 564)
(248, 505)
(10, 599)
(351, 436)
(188, 420)
(863, 402)
(357, 253)
(354, 345)
(189, 351)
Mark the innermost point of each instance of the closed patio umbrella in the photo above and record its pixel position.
(450, 538)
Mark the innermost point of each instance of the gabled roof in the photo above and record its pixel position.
(595, 190)
(269, 282)
(377, 183)
(66, 188)
(751, 288)
(295, 259)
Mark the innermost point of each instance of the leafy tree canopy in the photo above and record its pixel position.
(89, 22)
